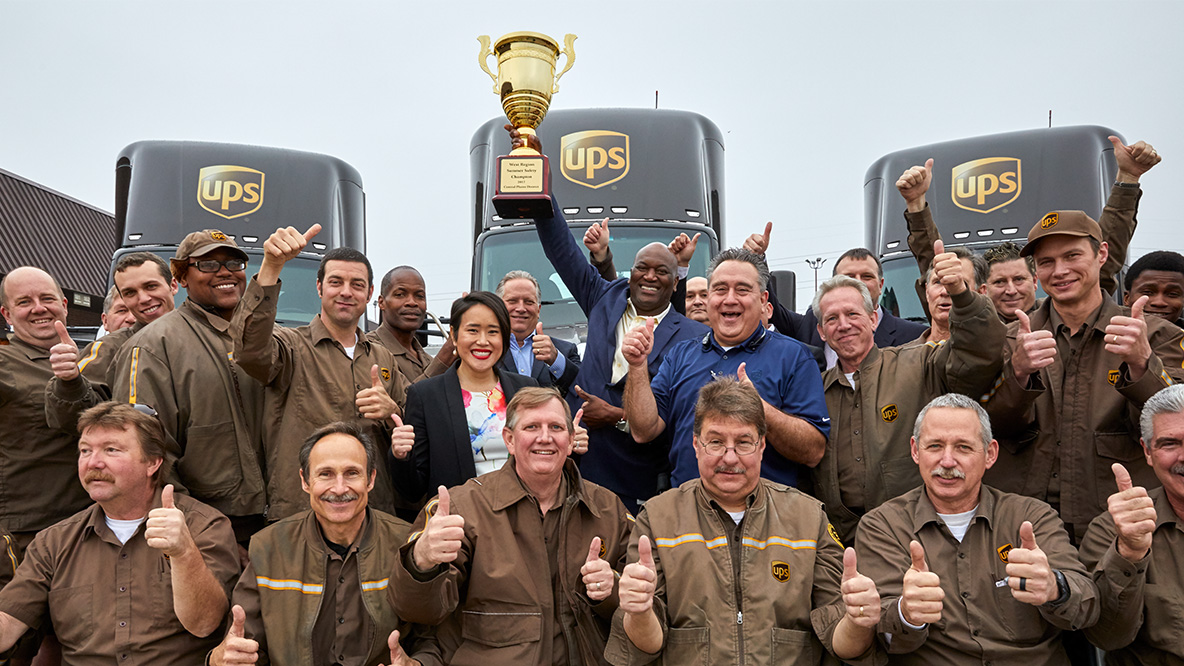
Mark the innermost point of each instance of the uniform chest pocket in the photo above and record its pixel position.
(688, 645)
(73, 613)
(793, 646)
(501, 629)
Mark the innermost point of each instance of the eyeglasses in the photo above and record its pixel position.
(741, 449)
(212, 265)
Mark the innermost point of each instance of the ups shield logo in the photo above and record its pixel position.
(230, 191)
(386, 374)
(781, 571)
(1112, 377)
(1049, 220)
(1003, 551)
(595, 158)
(987, 184)
(889, 413)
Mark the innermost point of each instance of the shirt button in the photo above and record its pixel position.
(974, 633)
(725, 356)
(963, 556)
(123, 556)
(856, 432)
(859, 460)
(965, 595)
(123, 624)
(123, 589)
(340, 620)
(341, 579)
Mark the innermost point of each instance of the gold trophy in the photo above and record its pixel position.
(525, 81)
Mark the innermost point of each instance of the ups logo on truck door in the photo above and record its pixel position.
(987, 184)
(230, 191)
(595, 158)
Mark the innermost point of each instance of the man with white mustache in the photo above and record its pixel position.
(968, 574)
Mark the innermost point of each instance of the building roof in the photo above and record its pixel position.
(72, 240)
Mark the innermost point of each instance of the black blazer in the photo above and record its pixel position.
(442, 454)
(541, 373)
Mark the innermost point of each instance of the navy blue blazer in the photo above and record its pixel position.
(891, 332)
(542, 373)
(442, 454)
(613, 459)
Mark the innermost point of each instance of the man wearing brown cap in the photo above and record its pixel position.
(182, 366)
(1075, 375)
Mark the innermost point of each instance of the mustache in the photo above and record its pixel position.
(730, 469)
(1177, 469)
(343, 497)
(947, 472)
(96, 475)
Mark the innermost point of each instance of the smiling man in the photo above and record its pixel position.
(550, 361)
(782, 370)
(324, 372)
(517, 566)
(1160, 277)
(403, 300)
(315, 591)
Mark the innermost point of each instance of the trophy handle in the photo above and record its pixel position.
(483, 59)
(569, 50)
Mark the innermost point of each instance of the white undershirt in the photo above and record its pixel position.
(123, 529)
(737, 516)
(850, 378)
(349, 351)
(958, 522)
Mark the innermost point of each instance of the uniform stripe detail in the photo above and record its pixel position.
(294, 585)
(690, 538)
(369, 585)
(94, 352)
(991, 394)
(629, 517)
(801, 544)
(9, 552)
(131, 379)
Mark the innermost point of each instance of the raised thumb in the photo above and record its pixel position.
(238, 622)
(768, 230)
(939, 247)
(593, 550)
(538, 328)
(166, 497)
(742, 373)
(375, 380)
(1116, 142)
(1025, 323)
(849, 564)
(396, 420)
(929, 166)
(63, 334)
(392, 642)
(1137, 307)
(579, 415)
(649, 324)
(1027, 536)
(1121, 477)
(917, 552)
(442, 503)
(644, 554)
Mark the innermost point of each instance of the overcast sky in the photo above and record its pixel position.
(808, 95)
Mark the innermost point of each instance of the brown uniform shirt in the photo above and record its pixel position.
(38, 464)
(111, 602)
(1142, 620)
(1079, 415)
(415, 363)
(868, 461)
(309, 382)
(183, 367)
(981, 623)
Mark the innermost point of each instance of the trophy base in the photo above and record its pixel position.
(523, 188)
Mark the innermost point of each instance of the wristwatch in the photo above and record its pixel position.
(622, 425)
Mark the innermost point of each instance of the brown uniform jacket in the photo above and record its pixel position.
(183, 367)
(1078, 416)
(495, 604)
(981, 623)
(113, 603)
(38, 464)
(415, 363)
(97, 362)
(867, 459)
(784, 599)
(309, 382)
(1142, 619)
(285, 590)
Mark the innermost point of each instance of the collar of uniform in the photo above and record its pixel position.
(97, 520)
(1098, 320)
(1164, 514)
(388, 340)
(835, 372)
(506, 489)
(204, 315)
(34, 352)
(709, 341)
(925, 512)
(321, 332)
(315, 537)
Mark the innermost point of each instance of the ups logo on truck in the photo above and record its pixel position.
(230, 191)
(595, 158)
(987, 184)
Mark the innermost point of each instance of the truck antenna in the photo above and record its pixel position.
(1050, 118)
(655, 99)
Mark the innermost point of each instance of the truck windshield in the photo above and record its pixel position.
(520, 250)
(900, 294)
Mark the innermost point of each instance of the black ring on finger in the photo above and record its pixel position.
(1023, 584)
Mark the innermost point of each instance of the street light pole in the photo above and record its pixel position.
(815, 264)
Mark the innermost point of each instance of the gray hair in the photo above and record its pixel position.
(742, 255)
(835, 283)
(1168, 401)
(112, 294)
(518, 275)
(957, 401)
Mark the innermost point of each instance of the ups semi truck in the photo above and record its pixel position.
(655, 173)
(985, 190)
(165, 190)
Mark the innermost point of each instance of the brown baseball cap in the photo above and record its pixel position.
(200, 243)
(1064, 222)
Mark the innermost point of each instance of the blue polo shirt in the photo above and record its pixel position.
(783, 371)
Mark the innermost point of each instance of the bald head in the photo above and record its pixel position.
(651, 282)
(31, 300)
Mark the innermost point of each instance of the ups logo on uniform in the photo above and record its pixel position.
(603, 549)
(1003, 551)
(386, 374)
(230, 191)
(594, 158)
(1112, 377)
(987, 184)
(1049, 220)
(889, 413)
(781, 571)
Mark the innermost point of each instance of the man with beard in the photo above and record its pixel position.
(403, 301)
(324, 372)
(181, 366)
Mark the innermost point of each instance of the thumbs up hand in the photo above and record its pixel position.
(398, 656)
(236, 648)
(579, 435)
(596, 239)
(1134, 516)
(63, 357)
(166, 529)
(1033, 350)
(1126, 338)
(1028, 574)
(922, 595)
(639, 580)
(859, 593)
(1133, 160)
(402, 438)
(374, 402)
(441, 538)
(597, 574)
(947, 266)
(544, 350)
(759, 243)
(914, 183)
(638, 343)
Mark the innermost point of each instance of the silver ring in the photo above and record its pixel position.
(1023, 584)
(598, 586)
